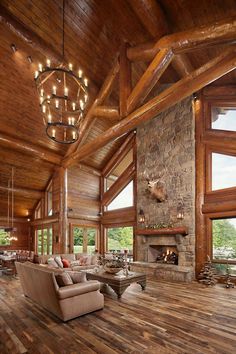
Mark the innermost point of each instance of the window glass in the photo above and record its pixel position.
(78, 239)
(118, 170)
(223, 118)
(39, 241)
(91, 243)
(223, 171)
(4, 240)
(124, 198)
(50, 240)
(45, 241)
(119, 239)
(224, 238)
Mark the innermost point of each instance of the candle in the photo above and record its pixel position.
(40, 67)
(69, 120)
(41, 100)
(41, 92)
(73, 121)
(49, 118)
(80, 72)
(57, 104)
(44, 109)
(66, 91)
(53, 133)
(86, 82)
(36, 74)
(48, 63)
(85, 98)
(81, 102)
(73, 135)
(73, 106)
(70, 67)
(54, 90)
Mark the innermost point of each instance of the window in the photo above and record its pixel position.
(223, 118)
(85, 239)
(49, 200)
(119, 239)
(44, 241)
(224, 238)
(124, 198)
(4, 241)
(223, 171)
(118, 170)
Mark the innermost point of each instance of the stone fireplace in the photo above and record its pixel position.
(163, 254)
(166, 148)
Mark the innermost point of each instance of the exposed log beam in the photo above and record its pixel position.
(153, 18)
(102, 95)
(220, 32)
(201, 77)
(28, 148)
(125, 80)
(28, 36)
(27, 193)
(110, 112)
(149, 78)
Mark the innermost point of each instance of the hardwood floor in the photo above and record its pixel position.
(165, 318)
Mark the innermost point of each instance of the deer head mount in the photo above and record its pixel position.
(157, 189)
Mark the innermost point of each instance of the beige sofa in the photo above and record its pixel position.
(66, 302)
(42, 259)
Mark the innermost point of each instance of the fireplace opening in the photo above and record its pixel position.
(163, 254)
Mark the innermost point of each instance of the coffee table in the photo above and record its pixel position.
(118, 282)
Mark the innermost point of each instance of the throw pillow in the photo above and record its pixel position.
(78, 277)
(83, 260)
(65, 262)
(52, 263)
(63, 279)
(58, 260)
(74, 263)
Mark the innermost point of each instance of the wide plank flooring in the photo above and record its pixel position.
(165, 318)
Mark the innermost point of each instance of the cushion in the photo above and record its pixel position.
(65, 262)
(74, 263)
(85, 260)
(58, 260)
(63, 279)
(78, 277)
(52, 263)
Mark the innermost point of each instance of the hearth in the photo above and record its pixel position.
(163, 254)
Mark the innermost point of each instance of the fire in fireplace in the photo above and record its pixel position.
(164, 254)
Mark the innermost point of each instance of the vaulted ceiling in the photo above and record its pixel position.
(94, 32)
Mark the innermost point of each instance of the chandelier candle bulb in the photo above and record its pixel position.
(48, 63)
(81, 102)
(70, 67)
(73, 135)
(73, 106)
(69, 120)
(44, 109)
(80, 73)
(53, 133)
(50, 119)
(54, 90)
(41, 100)
(41, 92)
(57, 104)
(36, 74)
(73, 121)
(66, 91)
(40, 67)
(85, 98)
(86, 82)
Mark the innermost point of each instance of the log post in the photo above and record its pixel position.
(63, 222)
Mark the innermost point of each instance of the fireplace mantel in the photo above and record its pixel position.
(183, 230)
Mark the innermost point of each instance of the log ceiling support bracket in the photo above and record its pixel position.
(162, 54)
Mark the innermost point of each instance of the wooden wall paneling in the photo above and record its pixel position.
(119, 217)
(135, 201)
(200, 231)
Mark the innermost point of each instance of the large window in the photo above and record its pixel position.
(223, 171)
(4, 241)
(119, 239)
(223, 118)
(124, 199)
(44, 241)
(84, 239)
(224, 238)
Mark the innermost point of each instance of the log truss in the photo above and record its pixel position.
(132, 111)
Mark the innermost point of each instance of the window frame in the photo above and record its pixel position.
(41, 229)
(84, 227)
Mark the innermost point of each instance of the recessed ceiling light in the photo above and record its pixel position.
(13, 48)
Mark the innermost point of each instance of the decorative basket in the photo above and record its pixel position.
(111, 270)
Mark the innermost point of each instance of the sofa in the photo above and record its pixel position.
(90, 260)
(66, 302)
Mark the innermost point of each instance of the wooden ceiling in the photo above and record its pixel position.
(94, 32)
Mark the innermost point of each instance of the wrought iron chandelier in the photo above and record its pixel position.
(63, 95)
